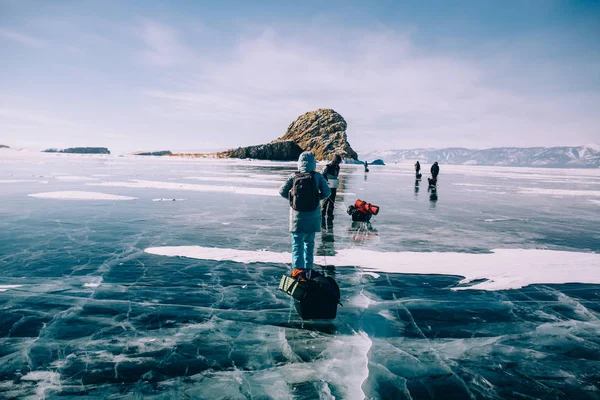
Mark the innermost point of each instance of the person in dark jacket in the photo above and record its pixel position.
(331, 174)
(435, 170)
(304, 224)
(417, 168)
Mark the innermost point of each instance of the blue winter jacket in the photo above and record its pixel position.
(306, 221)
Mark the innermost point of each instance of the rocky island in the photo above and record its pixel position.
(4, 147)
(153, 153)
(322, 131)
(286, 150)
(80, 150)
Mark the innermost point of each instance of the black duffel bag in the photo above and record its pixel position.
(316, 295)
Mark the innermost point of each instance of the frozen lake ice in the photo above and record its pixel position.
(491, 289)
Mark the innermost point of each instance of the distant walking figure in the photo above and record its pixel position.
(435, 170)
(331, 174)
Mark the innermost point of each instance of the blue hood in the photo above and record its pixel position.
(307, 162)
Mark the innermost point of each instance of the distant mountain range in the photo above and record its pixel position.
(565, 157)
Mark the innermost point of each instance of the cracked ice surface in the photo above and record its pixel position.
(84, 311)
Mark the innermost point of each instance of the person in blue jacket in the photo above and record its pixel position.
(304, 224)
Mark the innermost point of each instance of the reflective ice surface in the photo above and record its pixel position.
(84, 311)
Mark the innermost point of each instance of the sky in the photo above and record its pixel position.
(205, 76)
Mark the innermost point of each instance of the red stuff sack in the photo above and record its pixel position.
(366, 208)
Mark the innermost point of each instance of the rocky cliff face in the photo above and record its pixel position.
(287, 150)
(323, 132)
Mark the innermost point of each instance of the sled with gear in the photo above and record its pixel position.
(362, 211)
(316, 296)
(432, 183)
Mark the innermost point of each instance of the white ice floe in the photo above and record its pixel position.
(77, 195)
(15, 180)
(72, 178)
(473, 185)
(94, 283)
(483, 191)
(4, 288)
(500, 269)
(524, 173)
(594, 201)
(234, 179)
(142, 184)
(559, 192)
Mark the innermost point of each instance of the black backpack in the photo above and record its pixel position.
(304, 194)
(357, 215)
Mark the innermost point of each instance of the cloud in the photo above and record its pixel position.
(381, 82)
(76, 51)
(186, 85)
(163, 45)
(32, 117)
(22, 38)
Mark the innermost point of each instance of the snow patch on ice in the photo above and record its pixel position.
(4, 288)
(94, 283)
(559, 192)
(221, 254)
(387, 315)
(142, 184)
(373, 274)
(362, 301)
(594, 201)
(72, 178)
(498, 270)
(47, 381)
(14, 180)
(77, 195)
(473, 185)
(235, 179)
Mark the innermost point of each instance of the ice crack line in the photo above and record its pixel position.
(435, 351)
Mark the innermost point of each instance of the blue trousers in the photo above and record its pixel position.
(303, 250)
